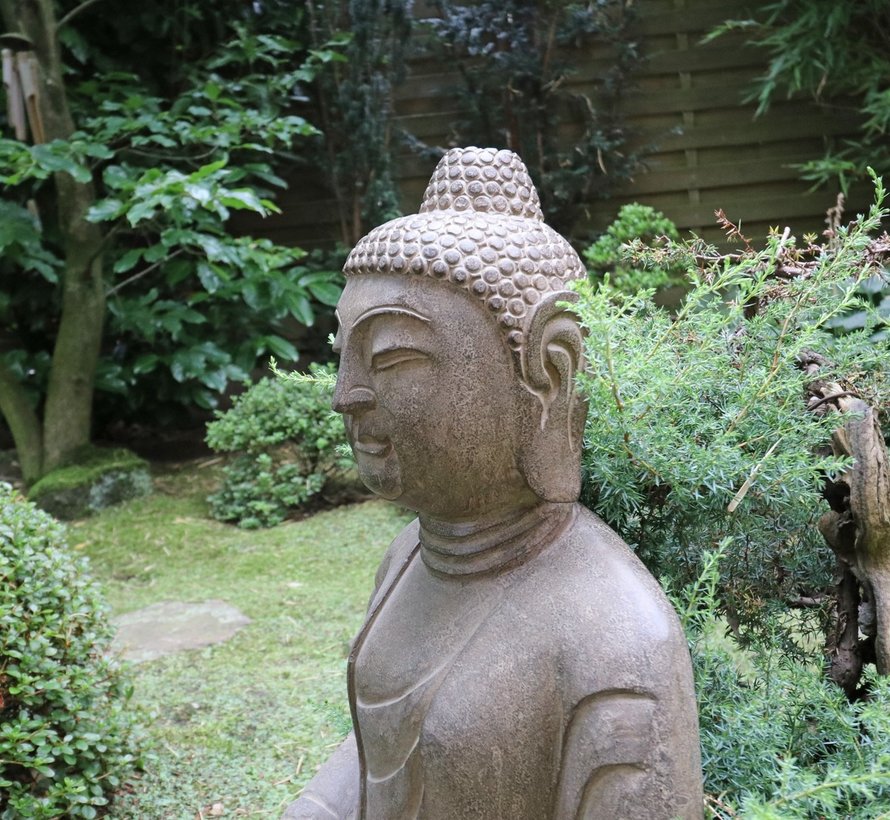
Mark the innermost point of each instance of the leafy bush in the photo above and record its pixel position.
(634, 222)
(698, 429)
(778, 741)
(287, 442)
(67, 734)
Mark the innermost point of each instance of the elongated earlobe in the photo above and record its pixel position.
(551, 357)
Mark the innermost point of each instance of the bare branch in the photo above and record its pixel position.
(75, 11)
(830, 397)
(142, 273)
(807, 601)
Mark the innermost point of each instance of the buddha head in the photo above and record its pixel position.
(457, 352)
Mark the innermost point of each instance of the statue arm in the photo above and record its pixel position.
(609, 766)
(333, 794)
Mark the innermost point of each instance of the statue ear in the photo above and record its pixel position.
(551, 356)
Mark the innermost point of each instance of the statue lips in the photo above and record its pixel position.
(371, 446)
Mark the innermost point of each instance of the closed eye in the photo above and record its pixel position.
(399, 355)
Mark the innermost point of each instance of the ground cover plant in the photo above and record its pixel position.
(238, 728)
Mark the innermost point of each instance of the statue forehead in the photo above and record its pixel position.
(436, 305)
(479, 230)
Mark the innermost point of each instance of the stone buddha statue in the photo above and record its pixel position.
(517, 661)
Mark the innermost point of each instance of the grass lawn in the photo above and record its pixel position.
(237, 729)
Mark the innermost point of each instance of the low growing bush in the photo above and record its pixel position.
(607, 256)
(286, 442)
(67, 734)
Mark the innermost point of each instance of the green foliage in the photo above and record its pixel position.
(287, 443)
(193, 305)
(778, 740)
(698, 431)
(836, 52)
(634, 221)
(67, 734)
(20, 246)
(359, 48)
(514, 59)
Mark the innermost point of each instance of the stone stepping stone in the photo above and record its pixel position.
(174, 626)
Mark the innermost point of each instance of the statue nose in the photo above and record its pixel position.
(353, 400)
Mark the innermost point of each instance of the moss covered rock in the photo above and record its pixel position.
(97, 478)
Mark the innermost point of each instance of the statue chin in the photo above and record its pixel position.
(381, 475)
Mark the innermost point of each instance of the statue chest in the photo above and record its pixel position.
(444, 704)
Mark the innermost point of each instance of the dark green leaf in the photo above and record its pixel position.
(326, 292)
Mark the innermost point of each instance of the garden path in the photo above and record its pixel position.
(174, 626)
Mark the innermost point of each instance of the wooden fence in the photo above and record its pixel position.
(710, 151)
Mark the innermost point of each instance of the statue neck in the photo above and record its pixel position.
(493, 542)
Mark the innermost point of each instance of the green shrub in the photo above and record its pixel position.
(778, 740)
(67, 734)
(606, 255)
(287, 443)
(698, 429)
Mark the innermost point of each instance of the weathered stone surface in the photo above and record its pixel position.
(174, 626)
(517, 660)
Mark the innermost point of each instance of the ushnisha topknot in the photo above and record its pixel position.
(480, 227)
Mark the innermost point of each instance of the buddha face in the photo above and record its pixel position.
(429, 396)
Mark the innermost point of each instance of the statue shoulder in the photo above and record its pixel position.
(599, 579)
(596, 553)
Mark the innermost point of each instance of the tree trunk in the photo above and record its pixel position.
(857, 528)
(24, 424)
(69, 400)
(869, 482)
(67, 414)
